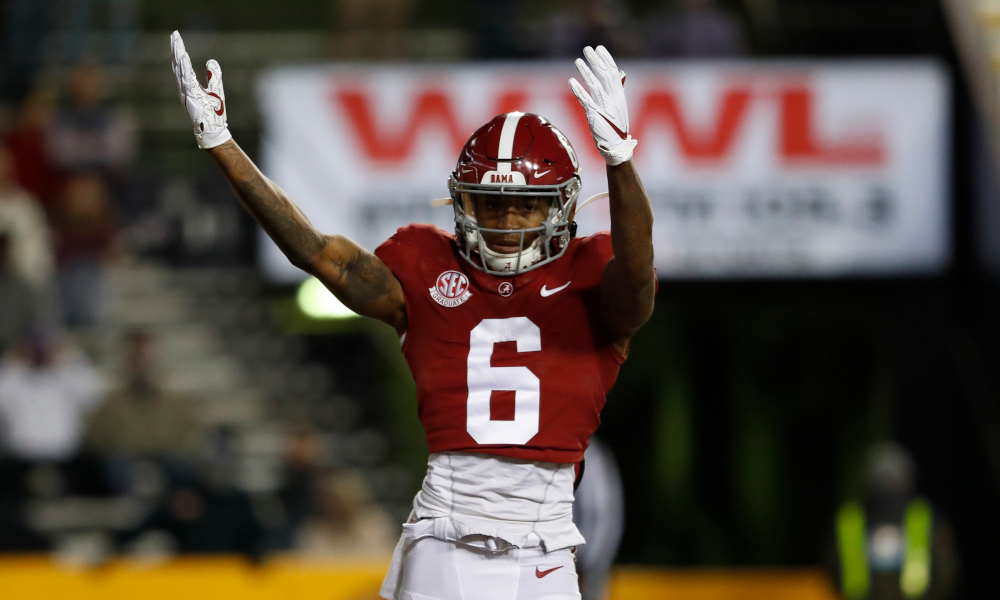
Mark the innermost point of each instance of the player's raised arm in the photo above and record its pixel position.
(629, 283)
(359, 279)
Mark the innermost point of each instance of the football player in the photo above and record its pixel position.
(514, 330)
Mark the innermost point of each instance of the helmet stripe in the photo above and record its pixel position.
(506, 149)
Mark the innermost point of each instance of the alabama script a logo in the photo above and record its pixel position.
(451, 289)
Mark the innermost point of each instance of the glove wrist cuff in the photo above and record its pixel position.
(211, 139)
(619, 153)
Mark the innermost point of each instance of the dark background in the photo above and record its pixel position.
(743, 416)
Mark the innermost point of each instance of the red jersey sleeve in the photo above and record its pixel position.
(391, 251)
(594, 253)
(410, 247)
(412, 254)
(415, 250)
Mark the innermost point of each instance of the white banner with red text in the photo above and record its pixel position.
(754, 168)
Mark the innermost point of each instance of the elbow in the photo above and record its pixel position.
(310, 257)
(645, 302)
(627, 312)
(641, 279)
(300, 261)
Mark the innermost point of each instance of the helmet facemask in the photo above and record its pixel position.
(551, 238)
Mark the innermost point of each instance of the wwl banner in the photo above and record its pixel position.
(754, 169)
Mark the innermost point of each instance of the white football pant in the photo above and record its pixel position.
(438, 570)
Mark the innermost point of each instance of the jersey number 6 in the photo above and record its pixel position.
(485, 379)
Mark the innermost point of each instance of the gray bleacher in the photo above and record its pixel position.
(212, 325)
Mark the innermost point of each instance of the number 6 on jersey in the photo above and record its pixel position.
(484, 379)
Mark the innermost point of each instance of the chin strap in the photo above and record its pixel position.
(593, 198)
(496, 260)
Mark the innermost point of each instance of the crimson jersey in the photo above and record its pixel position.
(516, 366)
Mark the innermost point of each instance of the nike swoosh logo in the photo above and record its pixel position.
(623, 134)
(540, 574)
(222, 106)
(537, 174)
(546, 292)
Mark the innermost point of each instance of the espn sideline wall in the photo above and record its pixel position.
(754, 168)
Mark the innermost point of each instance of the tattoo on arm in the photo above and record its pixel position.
(358, 278)
(283, 221)
(364, 281)
(361, 281)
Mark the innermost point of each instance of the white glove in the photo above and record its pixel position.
(607, 112)
(206, 107)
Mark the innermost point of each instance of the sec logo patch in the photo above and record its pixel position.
(451, 289)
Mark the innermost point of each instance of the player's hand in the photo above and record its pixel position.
(607, 112)
(205, 106)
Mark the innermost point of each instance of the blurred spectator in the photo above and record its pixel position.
(297, 494)
(698, 29)
(197, 519)
(29, 147)
(143, 420)
(46, 392)
(371, 28)
(27, 22)
(349, 522)
(88, 134)
(19, 315)
(122, 20)
(201, 512)
(84, 225)
(23, 220)
(496, 28)
(573, 25)
(893, 544)
(599, 513)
